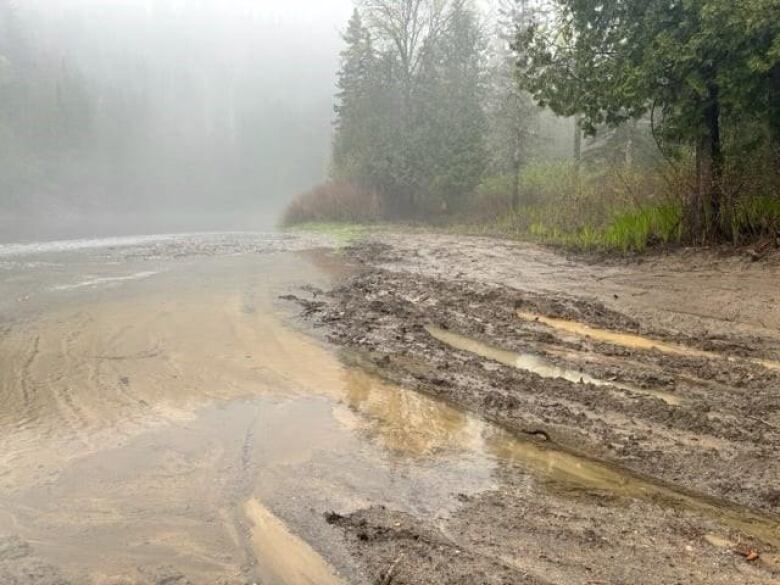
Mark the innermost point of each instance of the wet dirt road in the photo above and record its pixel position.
(166, 419)
(604, 364)
(161, 415)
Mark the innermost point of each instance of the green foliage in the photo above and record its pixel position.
(636, 230)
(755, 218)
(512, 115)
(693, 65)
(624, 211)
(631, 230)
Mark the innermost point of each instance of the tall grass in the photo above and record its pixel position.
(635, 231)
(623, 210)
(755, 218)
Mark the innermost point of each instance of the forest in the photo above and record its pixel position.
(155, 110)
(614, 125)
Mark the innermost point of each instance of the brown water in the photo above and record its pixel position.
(180, 419)
(541, 366)
(174, 418)
(633, 341)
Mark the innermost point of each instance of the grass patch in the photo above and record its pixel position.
(343, 233)
(755, 218)
(628, 231)
(635, 231)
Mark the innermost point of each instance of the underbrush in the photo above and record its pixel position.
(334, 202)
(631, 230)
(621, 210)
(755, 218)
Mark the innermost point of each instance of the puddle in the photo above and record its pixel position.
(540, 366)
(285, 559)
(136, 423)
(572, 471)
(633, 341)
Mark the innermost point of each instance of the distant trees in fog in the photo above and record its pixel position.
(433, 101)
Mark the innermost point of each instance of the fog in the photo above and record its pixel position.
(158, 115)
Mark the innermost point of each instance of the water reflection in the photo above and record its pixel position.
(405, 422)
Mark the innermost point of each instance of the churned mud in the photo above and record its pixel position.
(647, 434)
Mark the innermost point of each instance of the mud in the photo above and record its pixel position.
(702, 439)
(167, 421)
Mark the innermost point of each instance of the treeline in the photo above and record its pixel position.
(667, 112)
(706, 72)
(419, 83)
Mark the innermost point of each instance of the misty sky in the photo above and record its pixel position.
(197, 109)
(221, 106)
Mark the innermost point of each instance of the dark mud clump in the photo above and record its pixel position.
(533, 530)
(396, 548)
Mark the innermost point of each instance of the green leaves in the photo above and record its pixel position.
(613, 60)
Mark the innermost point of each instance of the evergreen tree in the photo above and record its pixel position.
(511, 112)
(353, 108)
(410, 120)
(450, 109)
(689, 63)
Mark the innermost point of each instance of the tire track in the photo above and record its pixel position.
(60, 388)
(26, 373)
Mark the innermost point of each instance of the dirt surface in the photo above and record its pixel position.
(487, 412)
(693, 482)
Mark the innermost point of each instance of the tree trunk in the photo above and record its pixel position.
(577, 152)
(516, 180)
(629, 153)
(577, 143)
(774, 115)
(705, 212)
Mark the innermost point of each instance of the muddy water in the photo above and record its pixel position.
(540, 366)
(160, 409)
(166, 413)
(574, 470)
(632, 341)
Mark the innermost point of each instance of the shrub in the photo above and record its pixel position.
(339, 202)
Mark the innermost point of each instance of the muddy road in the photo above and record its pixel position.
(648, 394)
(442, 410)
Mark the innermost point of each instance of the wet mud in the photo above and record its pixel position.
(168, 420)
(649, 440)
